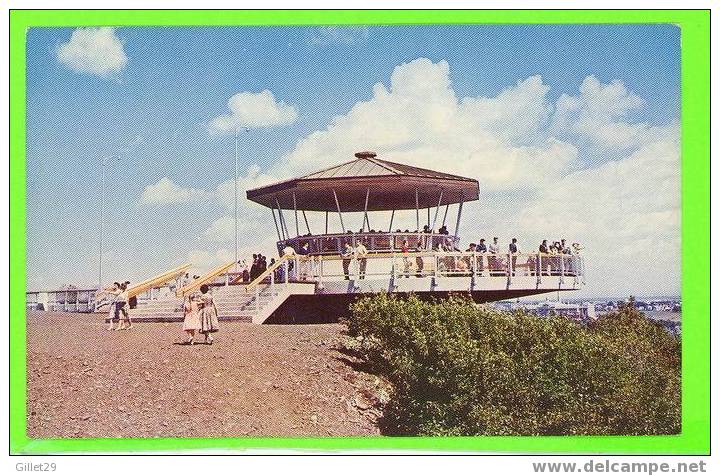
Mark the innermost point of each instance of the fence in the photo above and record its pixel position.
(424, 264)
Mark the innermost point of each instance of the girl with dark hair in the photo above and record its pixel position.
(208, 314)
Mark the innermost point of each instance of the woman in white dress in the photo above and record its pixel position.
(191, 322)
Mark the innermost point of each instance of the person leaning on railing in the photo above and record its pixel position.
(361, 253)
(289, 253)
(303, 252)
(419, 264)
(513, 248)
(405, 249)
(494, 260)
(279, 273)
(347, 254)
(481, 249)
(471, 249)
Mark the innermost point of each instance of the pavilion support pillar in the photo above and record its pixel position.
(365, 215)
(417, 211)
(392, 216)
(297, 226)
(326, 222)
(457, 222)
(277, 229)
(337, 203)
(436, 210)
(447, 207)
(428, 217)
(283, 225)
(306, 222)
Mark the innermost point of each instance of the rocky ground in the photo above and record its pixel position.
(255, 380)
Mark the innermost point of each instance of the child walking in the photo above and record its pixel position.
(208, 314)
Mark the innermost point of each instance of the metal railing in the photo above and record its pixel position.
(320, 268)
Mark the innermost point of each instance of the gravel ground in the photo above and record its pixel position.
(255, 380)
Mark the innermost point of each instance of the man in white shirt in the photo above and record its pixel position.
(289, 253)
(361, 253)
(494, 247)
(347, 255)
(493, 261)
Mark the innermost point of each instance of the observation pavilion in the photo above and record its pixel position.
(319, 278)
(365, 185)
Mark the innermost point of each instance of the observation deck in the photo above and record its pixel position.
(318, 275)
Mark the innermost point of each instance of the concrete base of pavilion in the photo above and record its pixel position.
(332, 299)
(328, 300)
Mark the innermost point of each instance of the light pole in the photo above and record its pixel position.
(103, 163)
(237, 130)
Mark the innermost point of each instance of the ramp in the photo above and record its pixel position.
(204, 279)
(157, 281)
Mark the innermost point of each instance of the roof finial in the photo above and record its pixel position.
(366, 154)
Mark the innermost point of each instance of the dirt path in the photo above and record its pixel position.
(256, 380)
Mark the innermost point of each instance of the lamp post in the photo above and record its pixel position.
(103, 164)
(237, 130)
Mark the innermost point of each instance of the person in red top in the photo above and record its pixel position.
(405, 249)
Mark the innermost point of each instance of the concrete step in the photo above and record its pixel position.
(177, 308)
(243, 302)
(229, 310)
(218, 301)
(172, 318)
(222, 307)
(221, 295)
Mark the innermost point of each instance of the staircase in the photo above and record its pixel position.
(233, 303)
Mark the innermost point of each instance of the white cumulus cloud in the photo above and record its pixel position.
(536, 161)
(248, 109)
(626, 212)
(254, 177)
(599, 113)
(203, 260)
(420, 120)
(165, 191)
(96, 51)
(221, 230)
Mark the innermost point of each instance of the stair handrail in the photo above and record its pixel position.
(268, 271)
(156, 281)
(195, 284)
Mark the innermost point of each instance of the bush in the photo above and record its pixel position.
(457, 368)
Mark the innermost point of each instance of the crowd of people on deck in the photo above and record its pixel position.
(493, 256)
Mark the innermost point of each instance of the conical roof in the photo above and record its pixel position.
(386, 185)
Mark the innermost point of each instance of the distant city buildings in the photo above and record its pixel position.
(666, 311)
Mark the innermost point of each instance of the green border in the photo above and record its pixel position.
(695, 39)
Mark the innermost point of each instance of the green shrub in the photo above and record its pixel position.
(457, 368)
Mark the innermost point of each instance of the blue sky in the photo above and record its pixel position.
(154, 104)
